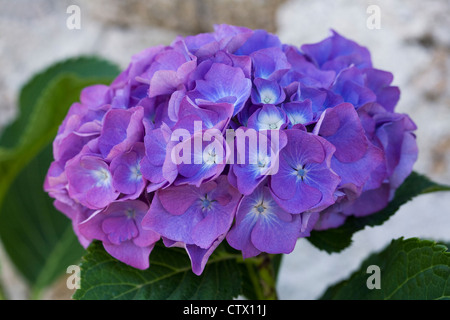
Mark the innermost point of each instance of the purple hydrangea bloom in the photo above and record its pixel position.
(77, 214)
(356, 158)
(267, 92)
(204, 162)
(119, 228)
(268, 117)
(230, 136)
(350, 86)
(255, 162)
(209, 114)
(126, 172)
(270, 64)
(199, 256)
(193, 215)
(399, 155)
(156, 165)
(121, 129)
(305, 180)
(263, 226)
(304, 71)
(259, 39)
(298, 112)
(90, 181)
(223, 83)
(337, 53)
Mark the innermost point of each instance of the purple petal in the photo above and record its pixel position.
(223, 81)
(90, 181)
(341, 126)
(129, 253)
(267, 92)
(199, 257)
(121, 129)
(174, 227)
(126, 171)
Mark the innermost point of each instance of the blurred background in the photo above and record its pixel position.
(411, 39)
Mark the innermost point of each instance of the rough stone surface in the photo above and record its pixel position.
(413, 43)
(191, 16)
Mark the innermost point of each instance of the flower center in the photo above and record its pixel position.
(268, 97)
(260, 208)
(300, 172)
(206, 203)
(130, 213)
(296, 119)
(103, 176)
(136, 172)
(211, 157)
(262, 162)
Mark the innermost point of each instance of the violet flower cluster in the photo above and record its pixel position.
(341, 149)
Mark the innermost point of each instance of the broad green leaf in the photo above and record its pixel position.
(169, 277)
(411, 269)
(335, 240)
(39, 240)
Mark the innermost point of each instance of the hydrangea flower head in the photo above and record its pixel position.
(230, 136)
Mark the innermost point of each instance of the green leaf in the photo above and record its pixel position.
(335, 240)
(169, 276)
(40, 240)
(411, 269)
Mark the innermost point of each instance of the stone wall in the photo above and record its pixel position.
(188, 16)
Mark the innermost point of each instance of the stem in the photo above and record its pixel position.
(263, 277)
(267, 277)
(36, 294)
(250, 264)
(2, 293)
